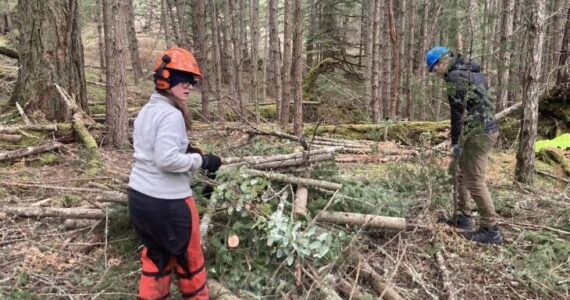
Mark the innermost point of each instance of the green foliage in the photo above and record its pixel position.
(545, 265)
(561, 141)
(270, 239)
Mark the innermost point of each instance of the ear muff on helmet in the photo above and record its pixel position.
(162, 75)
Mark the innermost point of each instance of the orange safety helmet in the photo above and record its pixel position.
(176, 59)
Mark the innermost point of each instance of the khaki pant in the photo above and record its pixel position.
(472, 169)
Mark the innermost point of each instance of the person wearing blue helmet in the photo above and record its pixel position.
(474, 131)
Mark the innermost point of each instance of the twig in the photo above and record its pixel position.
(447, 287)
(22, 113)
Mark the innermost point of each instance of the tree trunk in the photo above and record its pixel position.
(202, 54)
(286, 76)
(275, 53)
(312, 33)
(395, 88)
(524, 171)
(174, 22)
(298, 68)
(243, 32)
(116, 118)
(100, 37)
(410, 59)
(557, 30)
(235, 19)
(422, 69)
(367, 34)
(217, 86)
(375, 105)
(182, 15)
(563, 76)
(503, 67)
(51, 52)
(254, 16)
(133, 42)
(164, 19)
(228, 46)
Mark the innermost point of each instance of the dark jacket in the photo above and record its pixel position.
(468, 91)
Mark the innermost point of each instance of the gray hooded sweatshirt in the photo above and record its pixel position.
(162, 169)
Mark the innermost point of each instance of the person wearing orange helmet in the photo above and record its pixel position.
(161, 206)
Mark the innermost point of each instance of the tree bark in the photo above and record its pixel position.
(563, 75)
(422, 69)
(395, 89)
(524, 170)
(75, 212)
(133, 42)
(217, 86)
(411, 10)
(298, 68)
(51, 52)
(28, 151)
(116, 118)
(311, 32)
(375, 105)
(164, 19)
(504, 65)
(254, 16)
(100, 37)
(286, 74)
(367, 221)
(182, 16)
(557, 30)
(201, 44)
(275, 52)
(296, 180)
(236, 38)
(228, 46)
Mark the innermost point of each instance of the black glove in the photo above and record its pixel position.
(211, 162)
(457, 150)
(192, 149)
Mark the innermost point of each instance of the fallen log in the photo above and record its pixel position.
(70, 224)
(371, 159)
(378, 283)
(101, 195)
(300, 201)
(293, 162)
(366, 221)
(232, 162)
(554, 157)
(296, 180)
(10, 155)
(34, 127)
(75, 212)
(219, 292)
(10, 138)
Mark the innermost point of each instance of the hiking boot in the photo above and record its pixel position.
(485, 235)
(461, 221)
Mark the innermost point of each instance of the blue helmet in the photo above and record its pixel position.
(433, 56)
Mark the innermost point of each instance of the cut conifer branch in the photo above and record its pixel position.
(10, 138)
(380, 286)
(75, 212)
(300, 201)
(296, 180)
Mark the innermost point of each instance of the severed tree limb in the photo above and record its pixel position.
(281, 135)
(293, 162)
(296, 180)
(380, 286)
(300, 201)
(10, 138)
(10, 155)
(367, 221)
(81, 213)
(228, 161)
(219, 292)
(447, 286)
(22, 113)
(93, 163)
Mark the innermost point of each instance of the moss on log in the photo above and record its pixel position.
(406, 132)
(554, 157)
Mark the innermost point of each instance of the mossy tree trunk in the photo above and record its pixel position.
(51, 52)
